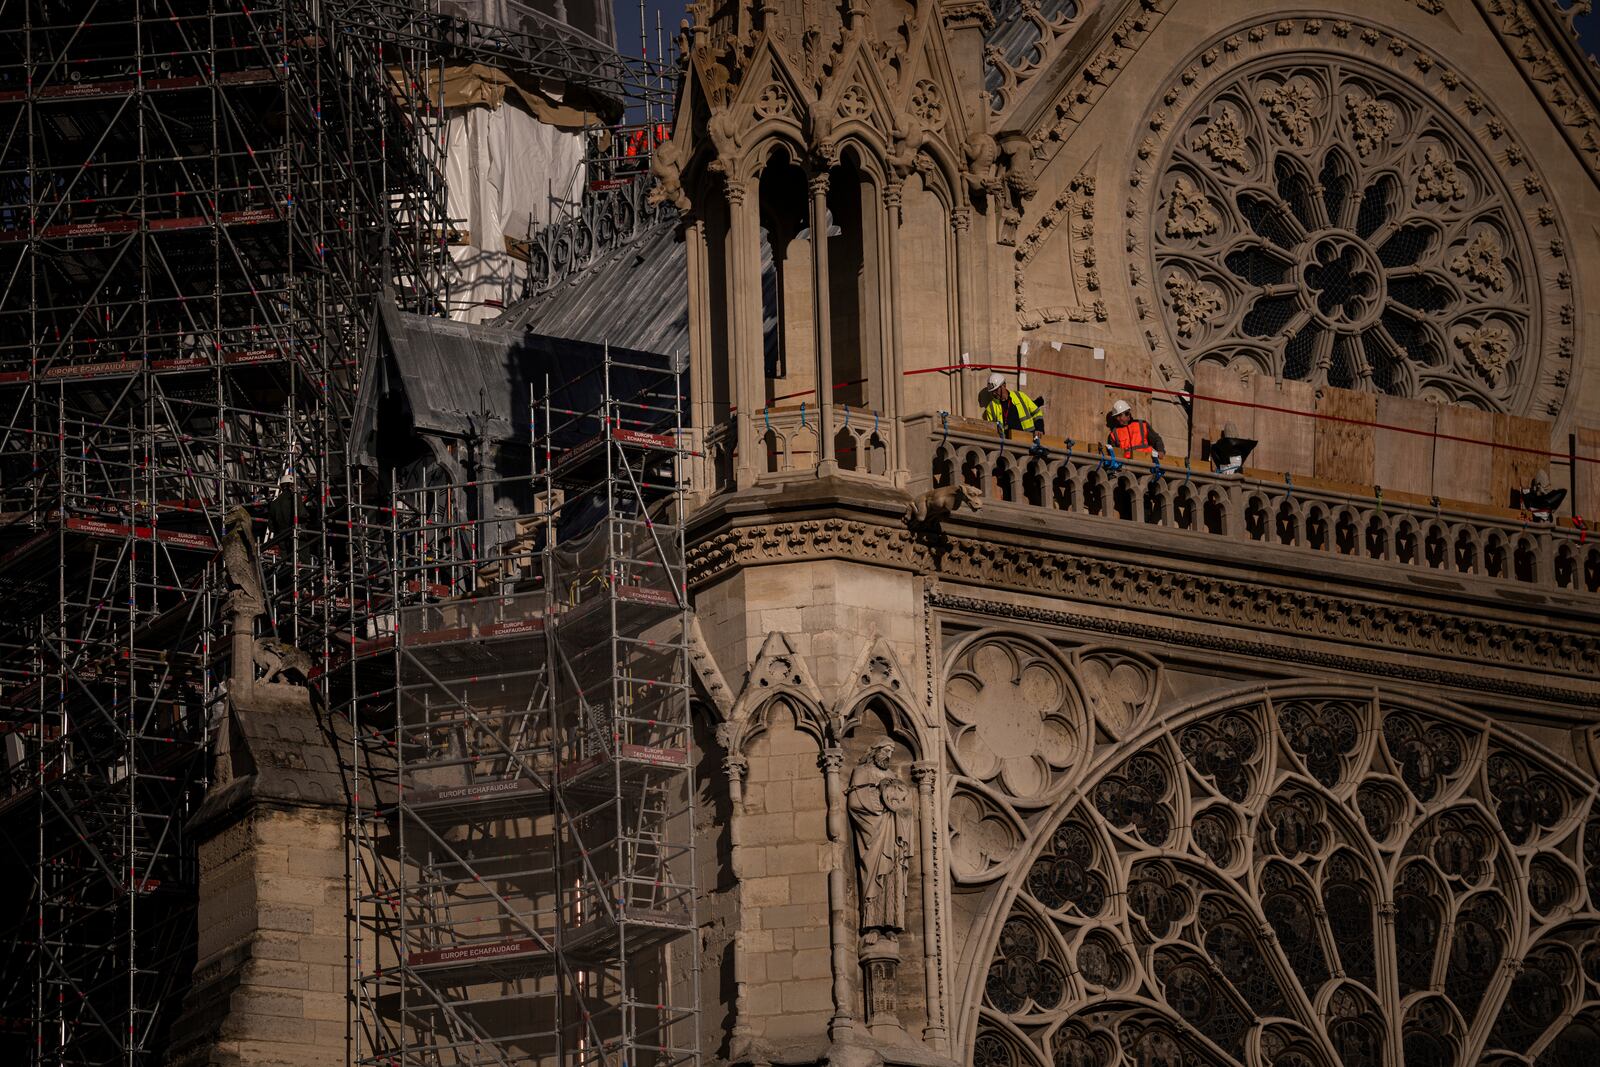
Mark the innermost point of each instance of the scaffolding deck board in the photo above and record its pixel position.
(492, 961)
(479, 801)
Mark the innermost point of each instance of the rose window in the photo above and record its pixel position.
(1327, 222)
(1303, 880)
(1012, 718)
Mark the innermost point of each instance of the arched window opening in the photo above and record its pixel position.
(852, 281)
(789, 351)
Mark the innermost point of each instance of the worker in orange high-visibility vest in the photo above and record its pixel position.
(1132, 438)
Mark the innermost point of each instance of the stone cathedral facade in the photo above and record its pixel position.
(1059, 758)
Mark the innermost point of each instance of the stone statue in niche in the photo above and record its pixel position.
(882, 812)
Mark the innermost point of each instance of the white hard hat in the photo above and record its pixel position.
(1120, 408)
(997, 380)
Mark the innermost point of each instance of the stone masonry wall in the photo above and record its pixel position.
(782, 866)
(269, 987)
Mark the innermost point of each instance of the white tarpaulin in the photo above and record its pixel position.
(503, 167)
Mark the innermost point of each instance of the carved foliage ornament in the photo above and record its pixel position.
(1305, 878)
(1332, 215)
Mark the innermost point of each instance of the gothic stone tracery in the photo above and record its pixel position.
(1298, 876)
(1328, 204)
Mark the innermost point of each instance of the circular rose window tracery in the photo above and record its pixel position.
(1385, 883)
(1320, 216)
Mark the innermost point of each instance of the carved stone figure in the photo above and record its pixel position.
(938, 504)
(881, 807)
(280, 661)
(242, 564)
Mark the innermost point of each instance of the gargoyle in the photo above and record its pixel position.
(666, 167)
(938, 504)
(981, 152)
(281, 662)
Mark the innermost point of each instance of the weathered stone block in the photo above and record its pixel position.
(813, 995)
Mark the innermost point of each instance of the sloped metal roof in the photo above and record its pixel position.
(635, 297)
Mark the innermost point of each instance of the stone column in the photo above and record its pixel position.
(244, 609)
(966, 305)
(842, 1025)
(700, 370)
(893, 347)
(925, 773)
(735, 767)
(743, 269)
(823, 314)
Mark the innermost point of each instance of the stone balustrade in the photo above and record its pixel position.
(1257, 506)
(787, 440)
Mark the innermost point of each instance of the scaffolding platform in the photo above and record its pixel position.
(492, 961)
(479, 801)
(518, 687)
(640, 928)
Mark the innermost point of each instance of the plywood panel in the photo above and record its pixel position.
(1514, 470)
(1346, 452)
(1073, 409)
(1285, 430)
(1587, 481)
(1462, 470)
(1132, 367)
(1213, 384)
(1404, 461)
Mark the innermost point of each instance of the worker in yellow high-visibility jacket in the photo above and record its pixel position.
(1014, 409)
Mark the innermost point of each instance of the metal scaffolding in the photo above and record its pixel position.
(518, 694)
(201, 204)
(198, 203)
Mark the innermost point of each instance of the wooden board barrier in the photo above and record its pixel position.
(1463, 470)
(1403, 462)
(1515, 470)
(1346, 452)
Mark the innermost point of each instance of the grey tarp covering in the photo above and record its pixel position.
(457, 376)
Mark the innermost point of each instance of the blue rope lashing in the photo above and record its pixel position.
(766, 413)
(803, 425)
(1288, 480)
(874, 424)
(1156, 476)
(944, 423)
(1070, 443)
(1188, 471)
(1109, 460)
(847, 416)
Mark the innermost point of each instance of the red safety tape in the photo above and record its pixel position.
(1187, 394)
